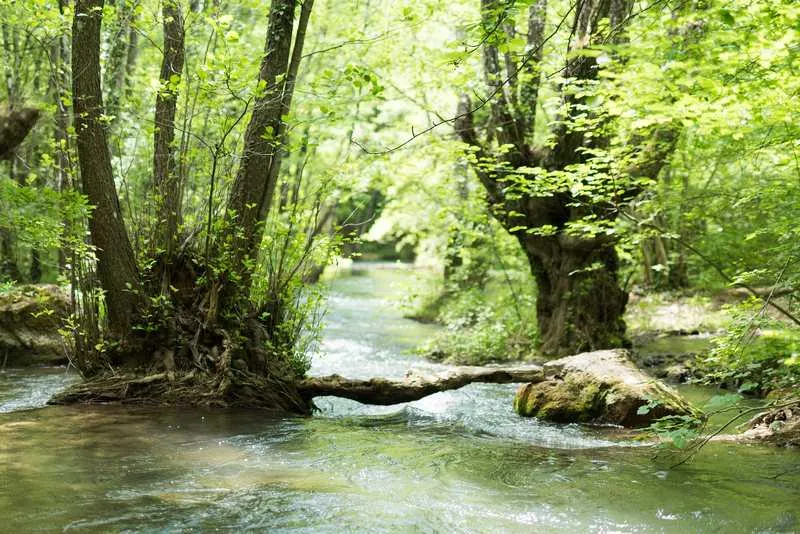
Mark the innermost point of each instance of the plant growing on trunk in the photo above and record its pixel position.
(560, 197)
(187, 315)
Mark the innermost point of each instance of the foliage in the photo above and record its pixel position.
(729, 192)
(683, 432)
(480, 329)
(757, 354)
(292, 249)
(492, 320)
(42, 217)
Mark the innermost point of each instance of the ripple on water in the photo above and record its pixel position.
(458, 461)
(22, 389)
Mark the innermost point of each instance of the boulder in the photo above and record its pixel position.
(601, 387)
(30, 317)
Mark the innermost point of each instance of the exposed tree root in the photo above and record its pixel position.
(238, 389)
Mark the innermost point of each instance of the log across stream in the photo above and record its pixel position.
(415, 385)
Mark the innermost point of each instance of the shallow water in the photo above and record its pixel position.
(454, 462)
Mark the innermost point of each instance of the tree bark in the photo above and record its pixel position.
(166, 179)
(116, 264)
(579, 304)
(413, 387)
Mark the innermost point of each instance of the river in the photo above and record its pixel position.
(458, 461)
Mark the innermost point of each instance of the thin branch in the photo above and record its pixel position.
(714, 265)
(526, 59)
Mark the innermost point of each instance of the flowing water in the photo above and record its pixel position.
(458, 461)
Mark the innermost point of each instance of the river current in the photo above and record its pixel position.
(458, 461)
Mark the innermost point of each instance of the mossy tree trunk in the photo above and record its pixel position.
(580, 303)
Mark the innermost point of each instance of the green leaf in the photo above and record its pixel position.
(721, 402)
(726, 17)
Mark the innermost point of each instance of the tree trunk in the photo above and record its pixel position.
(166, 179)
(59, 83)
(35, 272)
(8, 260)
(415, 386)
(254, 187)
(121, 57)
(579, 305)
(116, 264)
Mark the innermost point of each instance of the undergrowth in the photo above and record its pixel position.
(757, 355)
(494, 323)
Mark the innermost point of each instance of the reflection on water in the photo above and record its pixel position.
(454, 462)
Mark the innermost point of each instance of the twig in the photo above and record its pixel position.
(696, 448)
(714, 266)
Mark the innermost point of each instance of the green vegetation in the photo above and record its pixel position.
(757, 355)
(549, 159)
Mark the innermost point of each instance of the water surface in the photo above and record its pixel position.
(457, 461)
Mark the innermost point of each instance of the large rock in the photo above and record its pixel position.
(602, 387)
(30, 317)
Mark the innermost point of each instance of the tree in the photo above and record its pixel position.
(253, 190)
(165, 173)
(116, 264)
(559, 199)
(164, 311)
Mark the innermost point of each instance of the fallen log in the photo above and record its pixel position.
(414, 386)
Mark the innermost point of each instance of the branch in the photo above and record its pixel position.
(14, 127)
(526, 59)
(465, 128)
(503, 125)
(529, 91)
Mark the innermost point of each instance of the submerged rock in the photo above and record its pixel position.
(601, 387)
(30, 317)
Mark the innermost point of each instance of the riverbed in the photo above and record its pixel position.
(458, 461)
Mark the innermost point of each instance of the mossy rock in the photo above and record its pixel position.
(30, 317)
(602, 387)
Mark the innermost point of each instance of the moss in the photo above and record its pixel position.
(30, 317)
(604, 390)
(578, 398)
